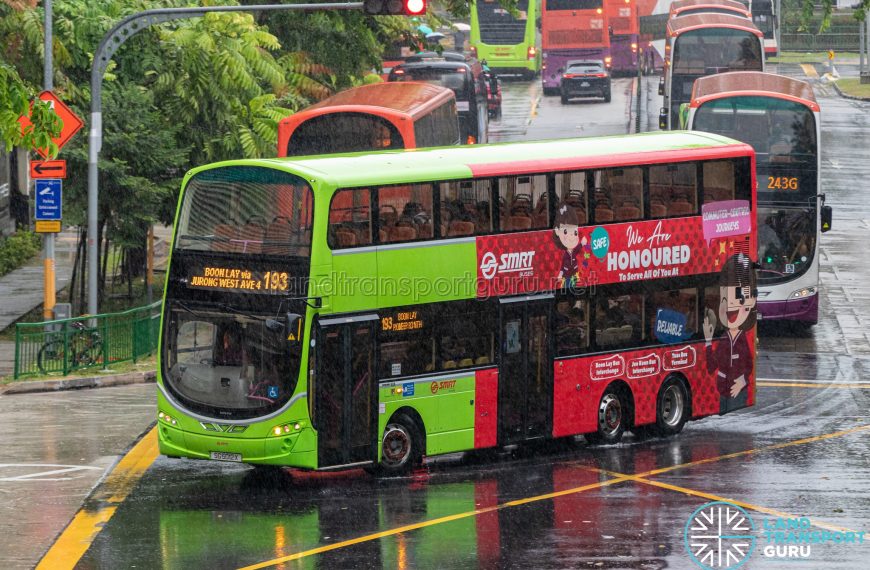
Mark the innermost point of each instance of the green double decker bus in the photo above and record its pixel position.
(370, 309)
(508, 43)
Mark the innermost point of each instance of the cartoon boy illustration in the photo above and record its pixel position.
(731, 359)
(566, 233)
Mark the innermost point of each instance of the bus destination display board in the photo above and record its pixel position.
(240, 280)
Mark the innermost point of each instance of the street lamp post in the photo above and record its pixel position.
(121, 32)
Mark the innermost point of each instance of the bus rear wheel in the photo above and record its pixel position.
(672, 407)
(613, 414)
(401, 446)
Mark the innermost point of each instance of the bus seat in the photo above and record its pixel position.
(624, 333)
(681, 208)
(459, 228)
(519, 222)
(251, 236)
(658, 209)
(466, 362)
(402, 233)
(430, 367)
(628, 212)
(481, 360)
(424, 230)
(448, 365)
(603, 214)
(278, 237)
(345, 237)
(225, 233)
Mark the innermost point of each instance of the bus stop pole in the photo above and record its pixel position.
(114, 38)
(48, 277)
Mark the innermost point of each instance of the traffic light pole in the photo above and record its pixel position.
(121, 32)
(48, 276)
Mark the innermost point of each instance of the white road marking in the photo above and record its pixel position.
(43, 475)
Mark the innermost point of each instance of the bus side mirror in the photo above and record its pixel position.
(662, 85)
(827, 218)
(663, 118)
(291, 327)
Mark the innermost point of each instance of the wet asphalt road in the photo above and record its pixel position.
(802, 451)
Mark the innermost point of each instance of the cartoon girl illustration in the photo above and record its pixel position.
(566, 233)
(731, 358)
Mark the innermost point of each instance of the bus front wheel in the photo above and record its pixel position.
(613, 414)
(401, 446)
(672, 407)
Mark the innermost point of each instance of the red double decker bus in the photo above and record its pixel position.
(624, 30)
(571, 30)
(373, 117)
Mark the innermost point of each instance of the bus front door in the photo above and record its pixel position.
(525, 371)
(345, 393)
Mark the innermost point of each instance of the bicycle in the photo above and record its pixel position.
(85, 349)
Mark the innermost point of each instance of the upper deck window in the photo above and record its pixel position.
(715, 50)
(780, 131)
(343, 132)
(246, 210)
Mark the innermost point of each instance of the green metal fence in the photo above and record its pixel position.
(819, 42)
(66, 345)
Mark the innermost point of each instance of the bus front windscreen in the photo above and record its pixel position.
(782, 132)
(715, 50)
(498, 26)
(246, 211)
(786, 242)
(226, 364)
(343, 132)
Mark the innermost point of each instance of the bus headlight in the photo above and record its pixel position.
(284, 429)
(166, 418)
(802, 293)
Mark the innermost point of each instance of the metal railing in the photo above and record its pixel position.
(63, 346)
(819, 42)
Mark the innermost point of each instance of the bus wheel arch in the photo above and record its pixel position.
(615, 413)
(673, 405)
(403, 442)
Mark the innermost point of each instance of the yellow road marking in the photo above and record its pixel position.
(811, 385)
(78, 536)
(755, 450)
(809, 70)
(432, 522)
(617, 478)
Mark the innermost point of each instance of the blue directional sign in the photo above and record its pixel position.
(49, 202)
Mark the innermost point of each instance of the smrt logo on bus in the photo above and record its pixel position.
(516, 262)
(436, 387)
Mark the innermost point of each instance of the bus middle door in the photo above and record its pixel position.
(345, 392)
(525, 369)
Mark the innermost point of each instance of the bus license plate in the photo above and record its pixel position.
(224, 456)
(584, 84)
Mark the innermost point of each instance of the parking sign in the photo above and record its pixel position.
(49, 202)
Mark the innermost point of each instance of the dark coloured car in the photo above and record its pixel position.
(585, 78)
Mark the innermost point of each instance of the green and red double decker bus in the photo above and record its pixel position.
(370, 309)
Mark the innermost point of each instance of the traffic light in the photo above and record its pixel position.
(394, 7)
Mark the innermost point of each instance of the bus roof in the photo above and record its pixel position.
(411, 98)
(682, 5)
(448, 163)
(683, 24)
(752, 83)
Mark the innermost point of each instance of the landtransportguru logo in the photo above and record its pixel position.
(722, 535)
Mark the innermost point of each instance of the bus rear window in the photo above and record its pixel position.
(451, 78)
(706, 51)
(246, 210)
(343, 132)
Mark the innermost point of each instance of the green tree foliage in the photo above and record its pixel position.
(808, 7)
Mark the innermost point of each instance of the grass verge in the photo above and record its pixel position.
(853, 87)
